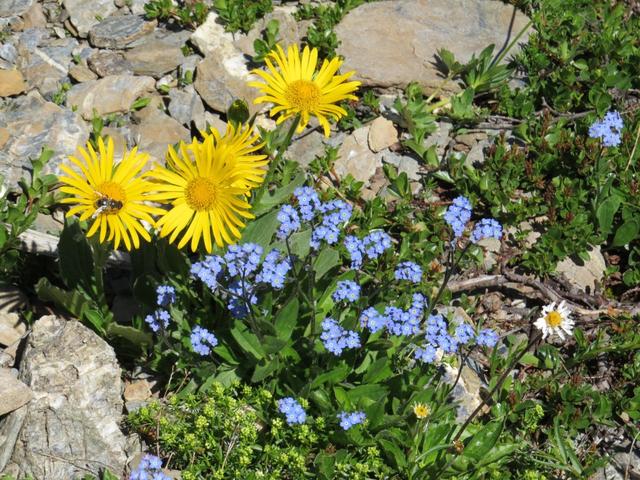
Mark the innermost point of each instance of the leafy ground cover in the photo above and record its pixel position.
(333, 341)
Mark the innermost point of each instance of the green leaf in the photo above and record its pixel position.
(261, 230)
(336, 375)
(606, 212)
(367, 394)
(627, 232)
(483, 441)
(394, 452)
(287, 319)
(378, 371)
(135, 336)
(247, 340)
(74, 302)
(327, 259)
(264, 370)
(76, 259)
(268, 201)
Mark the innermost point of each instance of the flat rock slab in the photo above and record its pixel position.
(355, 157)
(11, 330)
(84, 14)
(71, 426)
(11, 83)
(118, 32)
(14, 394)
(106, 62)
(13, 8)
(112, 94)
(154, 58)
(29, 123)
(392, 43)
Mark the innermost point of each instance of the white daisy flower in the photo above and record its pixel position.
(555, 320)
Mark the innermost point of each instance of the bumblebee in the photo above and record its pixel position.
(105, 204)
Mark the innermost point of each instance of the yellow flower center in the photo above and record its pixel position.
(421, 410)
(303, 95)
(554, 319)
(201, 193)
(112, 190)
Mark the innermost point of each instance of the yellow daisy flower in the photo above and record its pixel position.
(112, 195)
(208, 185)
(421, 410)
(295, 87)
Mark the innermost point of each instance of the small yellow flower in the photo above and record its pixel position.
(421, 410)
(113, 196)
(295, 87)
(207, 185)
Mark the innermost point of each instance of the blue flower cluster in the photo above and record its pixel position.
(486, 228)
(242, 260)
(330, 216)
(243, 268)
(166, 295)
(293, 411)
(308, 202)
(348, 420)
(289, 221)
(159, 319)
(241, 294)
(487, 338)
(334, 214)
(608, 129)
(335, 338)
(438, 337)
(406, 322)
(371, 246)
(149, 468)
(346, 290)
(202, 340)
(373, 320)
(208, 271)
(396, 320)
(458, 215)
(409, 271)
(274, 269)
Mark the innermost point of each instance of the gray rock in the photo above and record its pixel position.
(71, 427)
(382, 134)
(118, 32)
(12, 328)
(582, 274)
(107, 62)
(137, 6)
(46, 65)
(439, 138)
(186, 106)
(307, 148)
(14, 8)
(290, 32)
(80, 73)
(355, 157)
(219, 81)
(403, 36)
(14, 393)
(34, 17)
(30, 123)
(156, 131)
(211, 37)
(8, 52)
(466, 393)
(404, 164)
(154, 58)
(84, 14)
(110, 94)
